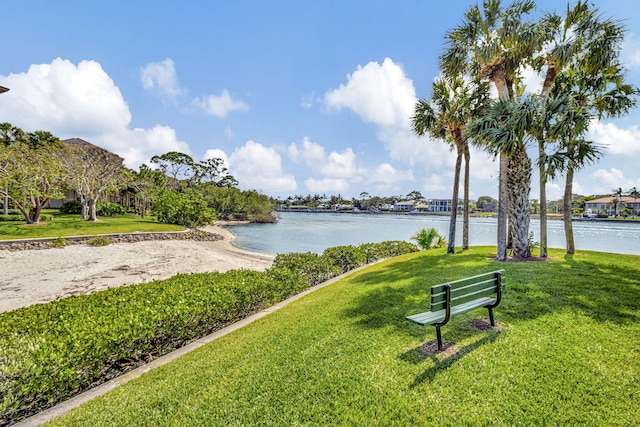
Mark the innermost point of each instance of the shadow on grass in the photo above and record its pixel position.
(594, 284)
(417, 355)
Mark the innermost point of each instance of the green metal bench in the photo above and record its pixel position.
(457, 297)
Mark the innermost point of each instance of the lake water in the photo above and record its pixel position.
(314, 232)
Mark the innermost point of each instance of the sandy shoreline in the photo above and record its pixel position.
(38, 276)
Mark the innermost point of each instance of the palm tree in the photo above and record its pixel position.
(617, 194)
(492, 44)
(503, 131)
(635, 194)
(453, 105)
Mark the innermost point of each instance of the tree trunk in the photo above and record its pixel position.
(454, 206)
(543, 202)
(568, 214)
(465, 219)
(499, 79)
(92, 210)
(501, 254)
(519, 188)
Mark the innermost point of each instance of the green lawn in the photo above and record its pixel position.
(71, 225)
(567, 353)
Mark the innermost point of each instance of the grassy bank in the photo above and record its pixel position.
(71, 225)
(567, 352)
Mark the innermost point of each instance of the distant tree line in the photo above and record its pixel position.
(37, 167)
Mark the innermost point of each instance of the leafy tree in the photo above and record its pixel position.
(213, 170)
(93, 173)
(617, 194)
(30, 172)
(148, 183)
(177, 166)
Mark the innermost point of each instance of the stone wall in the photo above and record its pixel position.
(20, 245)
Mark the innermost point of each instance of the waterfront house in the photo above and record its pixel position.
(405, 206)
(440, 205)
(606, 205)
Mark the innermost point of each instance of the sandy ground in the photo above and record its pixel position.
(38, 276)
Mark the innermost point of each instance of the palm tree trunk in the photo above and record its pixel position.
(465, 219)
(543, 202)
(567, 215)
(501, 254)
(454, 206)
(519, 188)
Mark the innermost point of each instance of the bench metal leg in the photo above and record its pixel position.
(493, 323)
(439, 335)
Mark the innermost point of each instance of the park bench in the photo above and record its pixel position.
(457, 297)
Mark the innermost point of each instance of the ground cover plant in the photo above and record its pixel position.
(56, 224)
(566, 352)
(50, 352)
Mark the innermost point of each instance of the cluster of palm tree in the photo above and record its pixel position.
(578, 57)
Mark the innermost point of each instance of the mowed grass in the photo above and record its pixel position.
(71, 225)
(567, 352)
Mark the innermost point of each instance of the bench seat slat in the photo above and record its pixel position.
(463, 282)
(431, 317)
(455, 301)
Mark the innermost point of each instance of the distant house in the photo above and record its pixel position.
(606, 205)
(405, 206)
(440, 205)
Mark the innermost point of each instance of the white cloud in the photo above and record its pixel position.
(617, 141)
(258, 167)
(630, 53)
(383, 95)
(161, 78)
(138, 145)
(219, 105)
(610, 178)
(216, 153)
(82, 101)
(64, 99)
(327, 185)
(379, 94)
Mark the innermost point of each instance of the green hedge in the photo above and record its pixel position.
(51, 352)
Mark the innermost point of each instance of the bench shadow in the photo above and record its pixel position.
(418, 355)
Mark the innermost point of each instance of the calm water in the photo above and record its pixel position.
(303, 232)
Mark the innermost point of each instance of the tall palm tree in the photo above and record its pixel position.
(492, 44)
(504, 130)
(453, 105)
(581, 40)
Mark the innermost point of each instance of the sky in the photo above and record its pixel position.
(297, 97)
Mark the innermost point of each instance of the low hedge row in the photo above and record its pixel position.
(51, 352)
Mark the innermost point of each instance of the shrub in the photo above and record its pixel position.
(110, 209)
(428, 239)
(187, 209)
(99, 241)
(71, 207)
(345, 257)
(388, 249)
(12, 217)
(314, 268)
(59, 242)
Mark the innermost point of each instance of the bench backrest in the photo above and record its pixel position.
(467, 289)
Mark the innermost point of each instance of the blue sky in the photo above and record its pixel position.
(297, 97)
